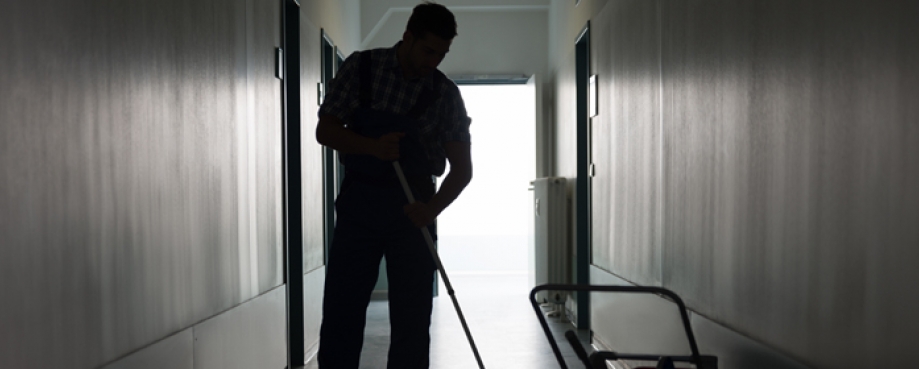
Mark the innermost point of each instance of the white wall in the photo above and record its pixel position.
(339, 18)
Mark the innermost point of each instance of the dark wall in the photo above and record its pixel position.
(761, 158)
(140, 160)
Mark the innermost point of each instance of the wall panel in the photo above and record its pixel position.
(264, 100)
(566, 133)
(790, 156)
(626, 140)
(127, 172)
(252, 335)
(311, 150)
(602, 146)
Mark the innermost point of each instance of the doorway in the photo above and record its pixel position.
(485, 237)
(488, 230)
(471, 241)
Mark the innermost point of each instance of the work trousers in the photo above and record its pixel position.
(370, 225)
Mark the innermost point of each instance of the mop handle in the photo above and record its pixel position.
(440, 267)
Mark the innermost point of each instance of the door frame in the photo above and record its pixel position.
(293, 186)
(583, 188)
(331, 181)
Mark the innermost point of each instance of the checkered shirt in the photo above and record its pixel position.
(444, 121)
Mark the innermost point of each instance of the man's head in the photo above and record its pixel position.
(433, 18)
(427, 38)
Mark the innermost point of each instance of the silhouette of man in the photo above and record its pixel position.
(384, 105)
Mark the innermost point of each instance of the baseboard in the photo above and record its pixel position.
(174, 352)
(733, 349)
(252, 335)
(249, 335)
(313, 284)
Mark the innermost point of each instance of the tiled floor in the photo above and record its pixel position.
(500, 317)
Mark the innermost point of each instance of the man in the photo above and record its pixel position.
(385, 105)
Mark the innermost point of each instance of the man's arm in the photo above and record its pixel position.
(331, 132)
(338, 105)
(460, 174)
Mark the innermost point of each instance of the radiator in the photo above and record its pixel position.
(552, 254)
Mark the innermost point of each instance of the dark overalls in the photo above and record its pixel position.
(370, 224)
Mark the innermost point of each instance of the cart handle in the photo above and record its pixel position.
(696, 358)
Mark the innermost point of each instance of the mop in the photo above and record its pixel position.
(440, 267)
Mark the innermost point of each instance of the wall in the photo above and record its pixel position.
(491, 40)
(759, 159)
(566, 21)
(140, 187)
(339, 19)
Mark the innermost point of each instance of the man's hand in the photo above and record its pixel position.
(386, 147)
(458, 155)
(419, 213)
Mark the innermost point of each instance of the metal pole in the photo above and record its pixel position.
(440, 267)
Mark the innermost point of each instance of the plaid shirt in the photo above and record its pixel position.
(444, 121)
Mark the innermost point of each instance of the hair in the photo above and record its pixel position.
(430, 17)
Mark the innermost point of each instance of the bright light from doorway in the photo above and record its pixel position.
(487, 230)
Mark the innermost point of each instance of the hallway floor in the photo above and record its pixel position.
(503, 324)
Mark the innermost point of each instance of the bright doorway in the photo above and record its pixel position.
(488, 229)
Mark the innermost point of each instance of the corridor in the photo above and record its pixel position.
(165, 202)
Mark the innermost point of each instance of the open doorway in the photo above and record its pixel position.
(488, 229)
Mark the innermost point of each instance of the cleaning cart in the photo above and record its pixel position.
(597, 360)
